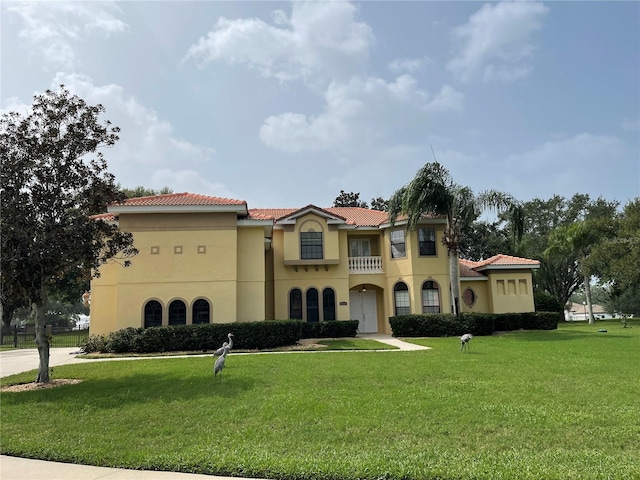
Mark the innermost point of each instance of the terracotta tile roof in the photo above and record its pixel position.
(362, 217)
(327, 211)
(270, 213)
(506, 260)
(466, 269)
(180, 199)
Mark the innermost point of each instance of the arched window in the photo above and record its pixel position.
(200, 311)
(295, 304)
(328, 304)
(313, 310)
(401, 297)
(430, 297)
(177, 313)
(152, 314)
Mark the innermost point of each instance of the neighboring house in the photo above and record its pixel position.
(213, 260)
(579, 311)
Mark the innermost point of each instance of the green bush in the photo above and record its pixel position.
(333, 329)
(447, 324)
(545, 302)
(427, 325)
(205, 337)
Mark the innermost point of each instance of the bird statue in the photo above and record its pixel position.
(228, 344)
(219, 365)
(464, 341)
(219, 351)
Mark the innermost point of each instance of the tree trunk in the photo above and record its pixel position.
(455, 281)
(587, 292)
(43, 342)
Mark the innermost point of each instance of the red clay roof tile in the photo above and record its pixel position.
(180, 199)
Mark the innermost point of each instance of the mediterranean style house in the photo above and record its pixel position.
(207, 259)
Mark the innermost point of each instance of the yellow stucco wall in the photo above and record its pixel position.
(251, 275)
(318, 276)
(511, 291)
(188, 256)
(482, 295)
(182, 256)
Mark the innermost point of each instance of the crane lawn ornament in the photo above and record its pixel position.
(465, 340)
(228, 345)
(219, 365)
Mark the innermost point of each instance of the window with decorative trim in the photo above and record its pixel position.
(295, 304)
(311, 245)
(152, 314)
(313, 307)
(401, 299)
(398, 247)
(177, 313)
(430, 297)
(469, 297)
(328, 304)
(200, 312)
(427, 241)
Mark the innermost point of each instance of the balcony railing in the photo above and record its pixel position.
(365, 265)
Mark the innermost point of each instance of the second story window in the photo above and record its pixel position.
(310, 245)
(427, 241)
(397, 244)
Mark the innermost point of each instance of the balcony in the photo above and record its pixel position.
(360, 265)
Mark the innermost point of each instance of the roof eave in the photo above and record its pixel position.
(238, 209)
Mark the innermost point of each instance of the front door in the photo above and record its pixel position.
(363, 308)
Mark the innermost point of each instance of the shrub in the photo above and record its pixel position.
(427, 325)
(333, 329)
(447, 324)
(545, 302)
(204, 337)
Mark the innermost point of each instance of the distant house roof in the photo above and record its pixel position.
(579, 308)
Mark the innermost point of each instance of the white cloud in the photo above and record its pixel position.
(495, 42)
(147, 142)
(366, 110)
(447, 100)
(52, 29)
(581, 151)
(363, 110)
(318, 39)
(631, 125)
(409, 65)
(588, 163)
(189, 181)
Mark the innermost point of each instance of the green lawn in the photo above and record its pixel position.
(559, 404)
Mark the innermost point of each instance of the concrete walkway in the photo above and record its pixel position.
(15, 468)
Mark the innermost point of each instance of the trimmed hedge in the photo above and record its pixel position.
(332, 329)
(447, 324)
(205, 337)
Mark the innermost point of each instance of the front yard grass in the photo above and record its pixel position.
(523, 405)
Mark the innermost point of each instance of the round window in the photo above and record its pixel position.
(469, 297)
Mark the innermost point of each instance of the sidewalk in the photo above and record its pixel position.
(15, 468)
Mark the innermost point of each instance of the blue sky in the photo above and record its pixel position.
(284, 104)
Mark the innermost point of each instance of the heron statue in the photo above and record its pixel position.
(219, 365)
(464, 341)
(228, 345)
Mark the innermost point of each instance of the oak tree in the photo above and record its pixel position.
(54, 180)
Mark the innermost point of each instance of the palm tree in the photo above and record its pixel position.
(433, 192)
